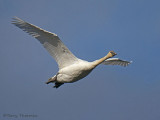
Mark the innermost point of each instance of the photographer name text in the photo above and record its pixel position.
(21, 115)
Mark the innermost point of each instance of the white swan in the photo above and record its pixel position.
(71, 68)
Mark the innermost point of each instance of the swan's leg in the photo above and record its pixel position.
(57, 84)
(52, 79)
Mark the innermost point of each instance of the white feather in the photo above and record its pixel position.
(116, 61)
(50, 41)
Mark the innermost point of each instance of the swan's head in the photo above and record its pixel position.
(111, 54)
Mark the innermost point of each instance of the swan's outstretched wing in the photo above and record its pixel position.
(116, 61)
(50, 41)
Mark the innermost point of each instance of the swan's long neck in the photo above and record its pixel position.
(109, 55)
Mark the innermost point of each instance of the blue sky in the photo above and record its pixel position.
(89, 28)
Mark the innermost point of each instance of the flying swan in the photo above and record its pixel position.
(71, 68)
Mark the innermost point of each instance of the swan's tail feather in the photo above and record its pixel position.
(52, 79)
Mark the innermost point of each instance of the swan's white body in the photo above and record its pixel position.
(71, 68)
(74, 72)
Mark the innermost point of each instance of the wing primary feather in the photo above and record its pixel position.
(50, 42)
(116, 61)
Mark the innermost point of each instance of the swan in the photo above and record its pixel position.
(71, 68)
